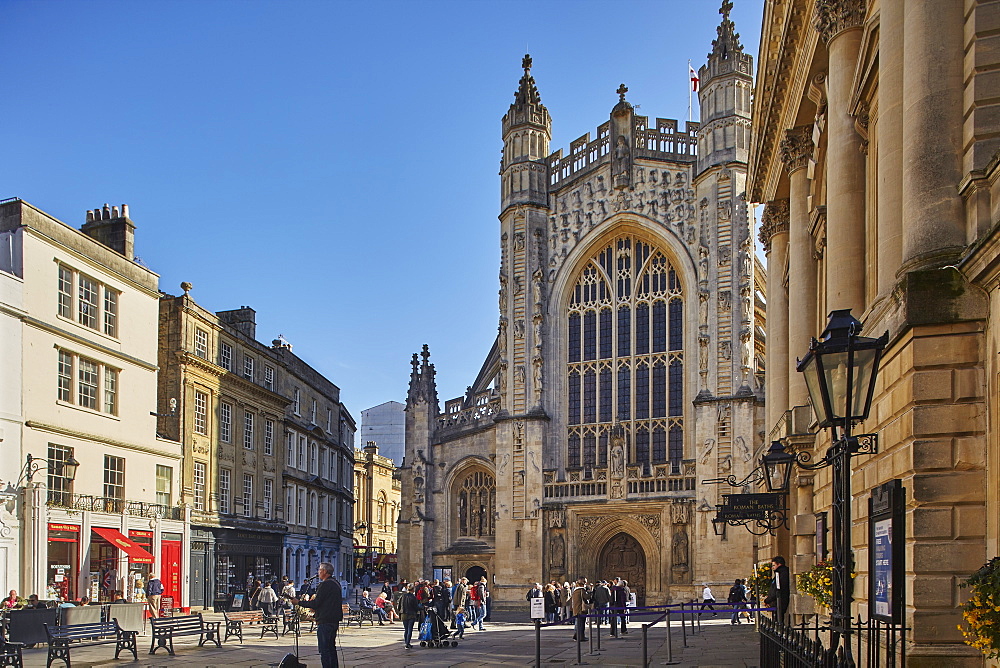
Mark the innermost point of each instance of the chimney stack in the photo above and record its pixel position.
(111, 226)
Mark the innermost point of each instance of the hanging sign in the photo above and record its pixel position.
(750, 506)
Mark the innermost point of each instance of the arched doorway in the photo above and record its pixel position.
(622, 557)
(475, 573)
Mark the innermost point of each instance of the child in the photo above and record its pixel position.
(460, 622)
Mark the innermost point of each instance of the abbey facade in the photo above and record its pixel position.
(626, 370)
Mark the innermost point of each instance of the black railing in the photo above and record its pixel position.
(104, 504)
(878, 644)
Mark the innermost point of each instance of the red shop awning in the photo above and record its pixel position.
(135, 553)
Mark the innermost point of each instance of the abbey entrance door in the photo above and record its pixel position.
(622, 557)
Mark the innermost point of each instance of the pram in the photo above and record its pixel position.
(431, 631)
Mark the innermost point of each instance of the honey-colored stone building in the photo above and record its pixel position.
(626, 368)
(875, 147)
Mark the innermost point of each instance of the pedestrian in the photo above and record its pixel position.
(534, 592)
(442, 606)
(567, 594)
(746, 594)
(484, 602)
(409, 613)
(288, 590)
(266, 598)
(619, 599)
(460, 621)
(551, 602)
(708, 599)
(255, 594)
(738, 599)
(473, 605)
(779, 594)
(328, 606)
(601, 600)
(154, 590)
(581, 605)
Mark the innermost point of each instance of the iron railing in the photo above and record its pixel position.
(877, 644)
(103, 504)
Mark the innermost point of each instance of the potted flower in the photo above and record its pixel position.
(760, 582)
(818, 582)
(982, 611)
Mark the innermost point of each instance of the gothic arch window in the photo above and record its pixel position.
(475, 504)
(625, 335)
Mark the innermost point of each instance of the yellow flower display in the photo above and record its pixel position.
(818, 582)
(982, 611)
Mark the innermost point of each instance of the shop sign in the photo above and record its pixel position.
(750, 506)
(64, 527)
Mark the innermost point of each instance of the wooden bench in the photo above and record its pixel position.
(350, 616)
(235, 621)
(62, 639)
(165, 629)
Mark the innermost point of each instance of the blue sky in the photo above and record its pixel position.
(331, 164)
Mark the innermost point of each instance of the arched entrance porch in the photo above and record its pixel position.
(623, 557)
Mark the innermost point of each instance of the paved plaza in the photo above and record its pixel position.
(503, 643)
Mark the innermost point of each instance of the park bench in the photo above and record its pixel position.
(10, 652)
(165, 629)
(62, 639)
(235, 621)
(351, 615)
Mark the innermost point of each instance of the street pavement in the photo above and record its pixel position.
(510, 642)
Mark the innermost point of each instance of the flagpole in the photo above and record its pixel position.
(689, 90)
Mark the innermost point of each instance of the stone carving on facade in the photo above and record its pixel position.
(225, 453)
(703, 296)
(537, 279)
(503, 380)
(773, 221)
(833, 17)
(617, 490)
(679, 549)
(537, 364)
(557, 552)
(725, 300)
(724, 255)
(249, 460)
(707, 451)
(519, 329)
(724, 210)
(617, 462)
(503, 464)
(726, 350)
(743, 449)
(797, 147)
(519, 241)
(519, 375)
(679, 512)
(651, 522)
(557, 518)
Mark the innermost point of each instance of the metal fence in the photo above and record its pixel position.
(877, 644)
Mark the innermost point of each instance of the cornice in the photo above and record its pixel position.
(73, 433)
(76, 338)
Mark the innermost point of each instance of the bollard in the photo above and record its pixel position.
(645, 660)
(579, 643)
(684, 625)
(538, 643)
(670, 641)
(598, 635)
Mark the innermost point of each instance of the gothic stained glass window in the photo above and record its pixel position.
(626, 356)
(475, 504)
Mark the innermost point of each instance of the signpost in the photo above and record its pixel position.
(537, 607)
(750, 506)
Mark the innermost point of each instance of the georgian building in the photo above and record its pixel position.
(626, 367)
(85, 311)
(376, 510)
(875, 149)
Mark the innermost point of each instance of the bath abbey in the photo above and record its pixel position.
(626, 375)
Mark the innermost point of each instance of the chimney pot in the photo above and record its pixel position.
(114, 212)
(90, 215)
(124, 210)
(106, 213)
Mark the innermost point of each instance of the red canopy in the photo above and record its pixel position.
(125, 544)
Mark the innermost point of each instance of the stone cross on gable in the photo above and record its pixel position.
(526, 62)
(622, 89)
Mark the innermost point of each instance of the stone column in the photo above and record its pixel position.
(889, 135)
(932, 133)
(774, 237)
(839, 23)
(796, 150)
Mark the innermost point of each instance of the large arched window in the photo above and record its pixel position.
(475, 504)
(626, 356)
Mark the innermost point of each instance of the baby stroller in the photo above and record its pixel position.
(431, 634)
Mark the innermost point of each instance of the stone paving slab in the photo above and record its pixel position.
(508, 643)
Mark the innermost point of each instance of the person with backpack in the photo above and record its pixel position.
(737, 599)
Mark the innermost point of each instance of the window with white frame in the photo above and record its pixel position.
(302, 508)
(199, 485)
(302, 453)
(164, 485)
(290, 504)
(269, 377)
(86, 383)
(312, 509)
(247, 495)
(268, 437)
(322, 512)
(200, 412)
(225, 491)
(114, 477)
(329, 420)
(225, 422)
(268, 497)
(312, 413)
(291, 449)
(88, 301)
(322, 460)
(110, 390)
(248, 430)
(313, 458)
(332, 477)
(60, 485)
(297, 401)
(248, 367)
(225, 356)
(65, 376)
(201, 343)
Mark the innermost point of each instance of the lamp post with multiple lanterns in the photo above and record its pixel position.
(840, 370)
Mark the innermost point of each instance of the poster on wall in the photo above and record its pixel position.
(886, 508)
(882, 567)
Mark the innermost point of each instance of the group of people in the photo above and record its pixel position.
(462, 603)
(778, 595)
(609, 600)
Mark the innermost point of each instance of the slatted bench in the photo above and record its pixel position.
(235, 621)
(165, 629)
(351, 615)
(62, 639)
(10, 652)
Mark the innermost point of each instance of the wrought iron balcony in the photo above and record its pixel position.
(103, 504)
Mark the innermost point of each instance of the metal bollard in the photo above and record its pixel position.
(645, 659)
(538, 643)
(598, 634)
(684, 625)
(670, 641)
(579, 643)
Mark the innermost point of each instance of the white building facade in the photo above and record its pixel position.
(89, 336)
(386, 425)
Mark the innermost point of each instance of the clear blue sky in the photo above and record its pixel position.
(331, 164)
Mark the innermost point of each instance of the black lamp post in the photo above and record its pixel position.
(34, 464)
(840, 370)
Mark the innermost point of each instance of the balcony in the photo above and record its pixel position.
(671, 479)
(103, 504)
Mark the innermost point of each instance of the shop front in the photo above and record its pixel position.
(242, 557)
(63, 560)
(118, 562)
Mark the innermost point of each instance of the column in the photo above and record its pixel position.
(796, 150)
(774, 237)
(889, 137)
(932, 133)
(839, 23)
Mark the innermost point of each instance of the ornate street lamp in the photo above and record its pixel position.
(777, 467)
(840, 371)
(66, 468)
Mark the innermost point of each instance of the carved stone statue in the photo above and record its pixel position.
(707, 452)
(557, 551)
(617, 461)
(679, 548)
